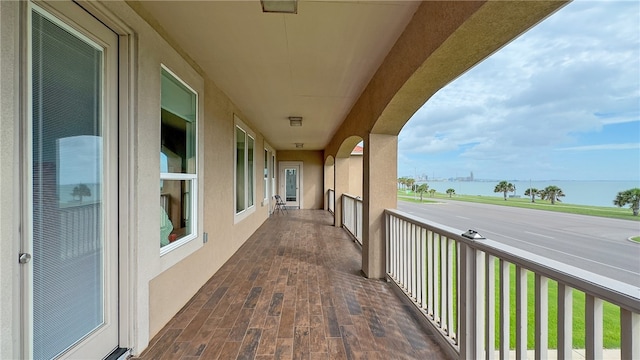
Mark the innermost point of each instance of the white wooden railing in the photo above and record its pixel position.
(352, 215)
(80, 227)
(331, 200)
(456, 282)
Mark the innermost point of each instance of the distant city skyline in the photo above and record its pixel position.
(560, 102)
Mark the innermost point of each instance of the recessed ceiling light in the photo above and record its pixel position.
(299, 145)
(295, 120)
(280, 6)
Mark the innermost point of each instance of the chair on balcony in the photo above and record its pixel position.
(280, 205)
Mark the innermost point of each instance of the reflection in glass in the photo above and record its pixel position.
(178, 126)
(250, 171)
(290, 180)
(175, 210)
(178, 165)
(240, 150)
(67, 176)
(266, 174)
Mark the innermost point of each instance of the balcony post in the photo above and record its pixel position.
(471, 303)
(379, 192)
(341, 187)
(329, 181)
(629, 333)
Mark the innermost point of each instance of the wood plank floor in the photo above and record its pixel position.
(294, 291)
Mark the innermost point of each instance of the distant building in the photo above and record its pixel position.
(468, 178)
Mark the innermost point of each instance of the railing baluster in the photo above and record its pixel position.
(405, 271)
(411, 262)
(430, 277)
(629, 334)
(398, 250)
(450, 283)
(397, 247)
(593, 327)
(521, 313)
(505, 311)
(443, 282)
(416, 267)
(490, 308)
(459, 291)
(542, 316)
(423, 269)
(565, 321)
(436, 278)
(420, 267)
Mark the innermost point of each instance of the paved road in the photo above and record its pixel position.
(596, 244)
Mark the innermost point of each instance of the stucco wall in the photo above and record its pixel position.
(313, 175)
(171, 283)
(9, 182)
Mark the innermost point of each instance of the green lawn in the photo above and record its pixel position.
(610, 313)
(602, 211)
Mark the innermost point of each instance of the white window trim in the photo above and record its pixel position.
(274, 172)
(192, 177)
(266, 176)
(248, 210)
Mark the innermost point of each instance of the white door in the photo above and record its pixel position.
(70, 289)
(290, 183)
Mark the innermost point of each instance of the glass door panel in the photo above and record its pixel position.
(73, 271)
(291, 179)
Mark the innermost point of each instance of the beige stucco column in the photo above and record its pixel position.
(379, 190)
(328, 181)
(341, 186)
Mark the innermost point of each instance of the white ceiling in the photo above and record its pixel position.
(312, 64)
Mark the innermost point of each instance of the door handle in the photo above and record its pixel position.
(24, 258)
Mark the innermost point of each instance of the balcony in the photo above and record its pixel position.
(294, 290)
(473, 293)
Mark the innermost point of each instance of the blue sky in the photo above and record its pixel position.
(560, 102)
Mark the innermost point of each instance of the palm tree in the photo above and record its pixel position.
(410, 182)
(432, 192)
(552, 193)
(631, 197)
(533, 192)
(504, 187)
(451, 191)
(421, 189)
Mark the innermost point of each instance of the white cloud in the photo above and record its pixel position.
(574, 73)
(629, 146)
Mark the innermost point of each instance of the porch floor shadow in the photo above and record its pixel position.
(294, 290)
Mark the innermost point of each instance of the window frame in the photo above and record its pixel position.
(192, 178)
(249, 181)
(273, 173)
(265, 175)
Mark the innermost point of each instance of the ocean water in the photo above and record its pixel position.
(595, 193)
